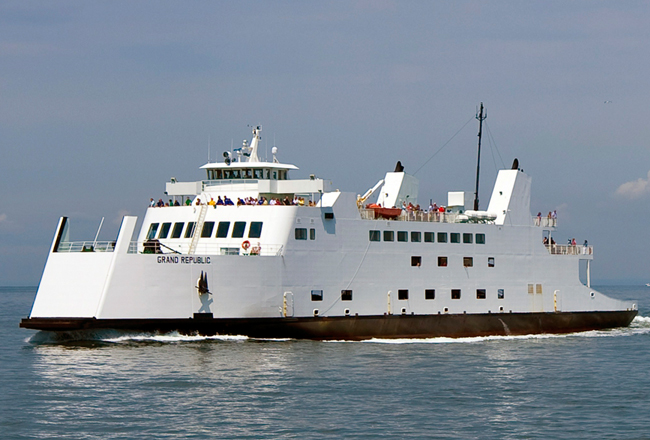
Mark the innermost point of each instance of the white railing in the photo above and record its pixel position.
(565, 249)
(415, 216)
(545, 222)
(86, 246)
(264, 250)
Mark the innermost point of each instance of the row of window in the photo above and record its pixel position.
(301, 233)
(443, 261)
(403, 294)
(429, 237)
(223, 229)
(248, 173)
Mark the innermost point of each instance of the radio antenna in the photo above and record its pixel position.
(481, 117)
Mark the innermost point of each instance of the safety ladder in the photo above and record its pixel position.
(198, 227)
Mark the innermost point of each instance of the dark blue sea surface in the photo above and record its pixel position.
(593, 385)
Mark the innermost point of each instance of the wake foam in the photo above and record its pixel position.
(639, 326)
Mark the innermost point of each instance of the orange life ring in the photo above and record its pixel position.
(245, 245)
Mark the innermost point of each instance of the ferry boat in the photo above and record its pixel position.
(248, 251)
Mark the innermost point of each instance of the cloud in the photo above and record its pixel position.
(3, 218)
(635, 189)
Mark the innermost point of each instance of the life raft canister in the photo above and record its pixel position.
(245, 245)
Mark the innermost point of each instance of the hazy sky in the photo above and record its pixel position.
(102, 102)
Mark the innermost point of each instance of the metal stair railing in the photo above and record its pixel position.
(198, 227)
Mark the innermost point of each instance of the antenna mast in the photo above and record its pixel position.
(481, 117)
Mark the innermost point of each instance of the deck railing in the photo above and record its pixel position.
(416, 216)
(545, 222)
(86, 246)
(264, 250)
(565, 249)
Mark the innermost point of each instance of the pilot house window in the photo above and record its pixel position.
(222, 229)
(178, 229)
(238, 229)
(164, 230)
(189, 232)
(255, 230)
(152, 231)
(207, 229)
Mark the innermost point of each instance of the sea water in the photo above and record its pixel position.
(591, 385)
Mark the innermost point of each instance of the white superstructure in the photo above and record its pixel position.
(321, 264)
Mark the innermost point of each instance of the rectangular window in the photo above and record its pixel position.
(490, 261)
(164, 230)
(312, 234)
(152, 231)
(402, 236)
(429, 293)
(389, 236)
(442, 261)
(255, 230)
(428, 237)
(468, 261)
(374, 235)
(501, 294)
(467, 238)
(207, 229)
(416, 237)
(480, 293)
(416, 261)
(538, 288)
(442, 237)
(189, 232)
(238, 229)
(346, 295)
(316, 295)
(480, 238)
(402, 294)
(455, 293)
(455, 237)
(531, 288)
(222, 229)
(178, 230)
(301, 233)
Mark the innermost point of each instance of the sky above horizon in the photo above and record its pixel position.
(102, 102)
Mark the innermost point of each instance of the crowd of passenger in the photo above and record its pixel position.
(226, 201)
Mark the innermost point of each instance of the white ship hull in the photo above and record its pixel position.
(329, 271)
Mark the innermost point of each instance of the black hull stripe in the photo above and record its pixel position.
(356, 327)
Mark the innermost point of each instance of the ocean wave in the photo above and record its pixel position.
(641, 321)
(173, 337)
